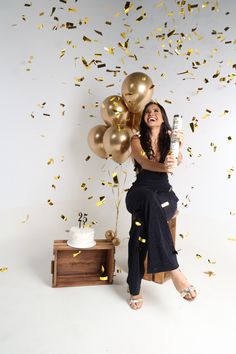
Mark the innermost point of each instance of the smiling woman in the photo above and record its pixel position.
(152, 203)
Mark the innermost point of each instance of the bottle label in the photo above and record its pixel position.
(174, 142)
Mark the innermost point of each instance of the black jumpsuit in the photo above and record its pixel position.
(152, 202)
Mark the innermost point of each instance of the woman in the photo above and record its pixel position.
(152, 203)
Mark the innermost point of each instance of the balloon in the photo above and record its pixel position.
(95, 140)
(134, 120)
(137, 91)
(117, 143)
(114, 111)
(116, 241)
(110, 235)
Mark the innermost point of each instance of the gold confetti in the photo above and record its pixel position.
(217, 73)
(50, 202)
(140, 18)
(76, 254)
(142, 153)
(101, 201)
(211, 262)
(108, 23)
(229, 138)
(115, 178)
(72, 9)
(53, 10)
(209, 273)
(214, 146)
(128, 7)
(103, 276)
(170, 33)
(41, 105)
(86, 39)
(189, 149)
(87, 158)
(86, 64)
(84, 186)
(53, 186)
(138, 223)
(62, 53)
(50, 161)
(230, 172)
(101, 66)
(3, 269)
(194, 124)
(57, 177)
(64, 217)
(192, 6)
(183, 72)
(231, 238)
(109, 50)
(26, 219)
(206, 115)
(98, 32)
(198, 256)
(224, 113)
(143, 240)
(79, 79)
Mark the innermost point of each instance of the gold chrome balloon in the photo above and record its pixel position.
(110, 235)
(116, 241)
(116, 143)
(134, 120)
(137, 91)
(95, 140)
(114, 111)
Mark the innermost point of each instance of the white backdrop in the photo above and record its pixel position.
(44, 116)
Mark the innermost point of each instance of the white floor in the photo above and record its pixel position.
(38, 319)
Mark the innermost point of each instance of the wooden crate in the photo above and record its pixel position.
(86, 267)
(162, 276)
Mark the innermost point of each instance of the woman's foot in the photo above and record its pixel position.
(135, 301)
(186, 290)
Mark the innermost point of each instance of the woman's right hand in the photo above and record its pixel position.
(170, 163)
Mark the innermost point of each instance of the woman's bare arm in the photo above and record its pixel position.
(139, 155)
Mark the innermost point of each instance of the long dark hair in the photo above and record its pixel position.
(163, 143)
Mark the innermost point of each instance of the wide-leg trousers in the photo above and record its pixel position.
(152, 202)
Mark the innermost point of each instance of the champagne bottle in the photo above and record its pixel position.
(174, 141)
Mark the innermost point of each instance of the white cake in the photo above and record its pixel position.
(81, 237)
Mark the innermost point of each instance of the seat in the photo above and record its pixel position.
(161, 277)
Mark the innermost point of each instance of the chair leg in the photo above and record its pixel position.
(161, 277)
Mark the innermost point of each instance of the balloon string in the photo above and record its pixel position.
(133, 121)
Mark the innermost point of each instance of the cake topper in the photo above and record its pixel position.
(82, 219)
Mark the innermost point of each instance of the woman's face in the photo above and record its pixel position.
(153, 116)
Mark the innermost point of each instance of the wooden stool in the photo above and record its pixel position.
(163, 276)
